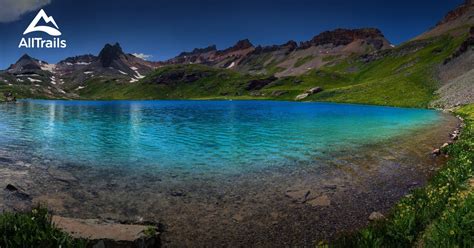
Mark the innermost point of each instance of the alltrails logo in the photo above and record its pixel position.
(38, 42)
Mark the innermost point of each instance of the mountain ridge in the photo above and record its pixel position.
(342, 62)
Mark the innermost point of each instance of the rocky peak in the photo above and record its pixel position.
(88, 58)
(211, 48)
(289, 46)
(456, 13)
(240, 45)
(25, 57)
(25, 64)
(110, 53)
(342, 37)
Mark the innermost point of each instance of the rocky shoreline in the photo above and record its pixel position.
(287, 207)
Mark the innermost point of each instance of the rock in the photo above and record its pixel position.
(444, 145)
(309, 92)
(298, 196)
(301, 96)
(279, 93)
(177, 193)
(106, 234)
(314, 90)
(413, 184)
(258, 84)
(342, 37)
(61, 175)
(321, 201)
(10, 187)
(238, 217)
(436, 152)
(9, 97)
(375, 216)
(240, 45)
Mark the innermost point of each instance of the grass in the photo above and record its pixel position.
(403, 77)
(211, 83)
(438, 215)
(302, 61)
(33, 229)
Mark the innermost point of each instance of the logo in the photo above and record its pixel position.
(49, 30)
(38, 42)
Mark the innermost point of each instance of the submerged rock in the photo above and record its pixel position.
(61, 175)
(321, 201)
(177, 193)
(298, 196)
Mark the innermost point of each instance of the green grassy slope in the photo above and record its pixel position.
(403, 76)
(173, 82)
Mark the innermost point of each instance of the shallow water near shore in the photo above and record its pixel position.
(219, 172)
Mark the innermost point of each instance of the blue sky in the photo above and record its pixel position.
(163, 28)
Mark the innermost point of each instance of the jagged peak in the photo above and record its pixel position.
(210, 48)
(343, 36)
(25, 56)
(240, 45)
(110, 53)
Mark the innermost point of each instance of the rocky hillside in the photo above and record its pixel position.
(456, 22)
(289, 58)
(456, 76)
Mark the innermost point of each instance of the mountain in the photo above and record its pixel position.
(111, 63)
(341, 65)
(226, 58)
(25, 65)
(289, 58)
(456, 22)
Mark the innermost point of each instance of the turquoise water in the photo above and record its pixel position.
(197, 135)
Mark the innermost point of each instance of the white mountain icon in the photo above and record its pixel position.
(49, 30)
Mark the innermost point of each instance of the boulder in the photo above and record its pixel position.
(301, 96)
(375, 216)
(279, 93)
(309, 92)
(106, 234)
(10, 187)
(314, 90)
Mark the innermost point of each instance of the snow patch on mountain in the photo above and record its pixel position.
(34, 80)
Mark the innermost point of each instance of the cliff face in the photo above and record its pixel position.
(343, 37)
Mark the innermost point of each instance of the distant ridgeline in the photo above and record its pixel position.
(345, 65)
